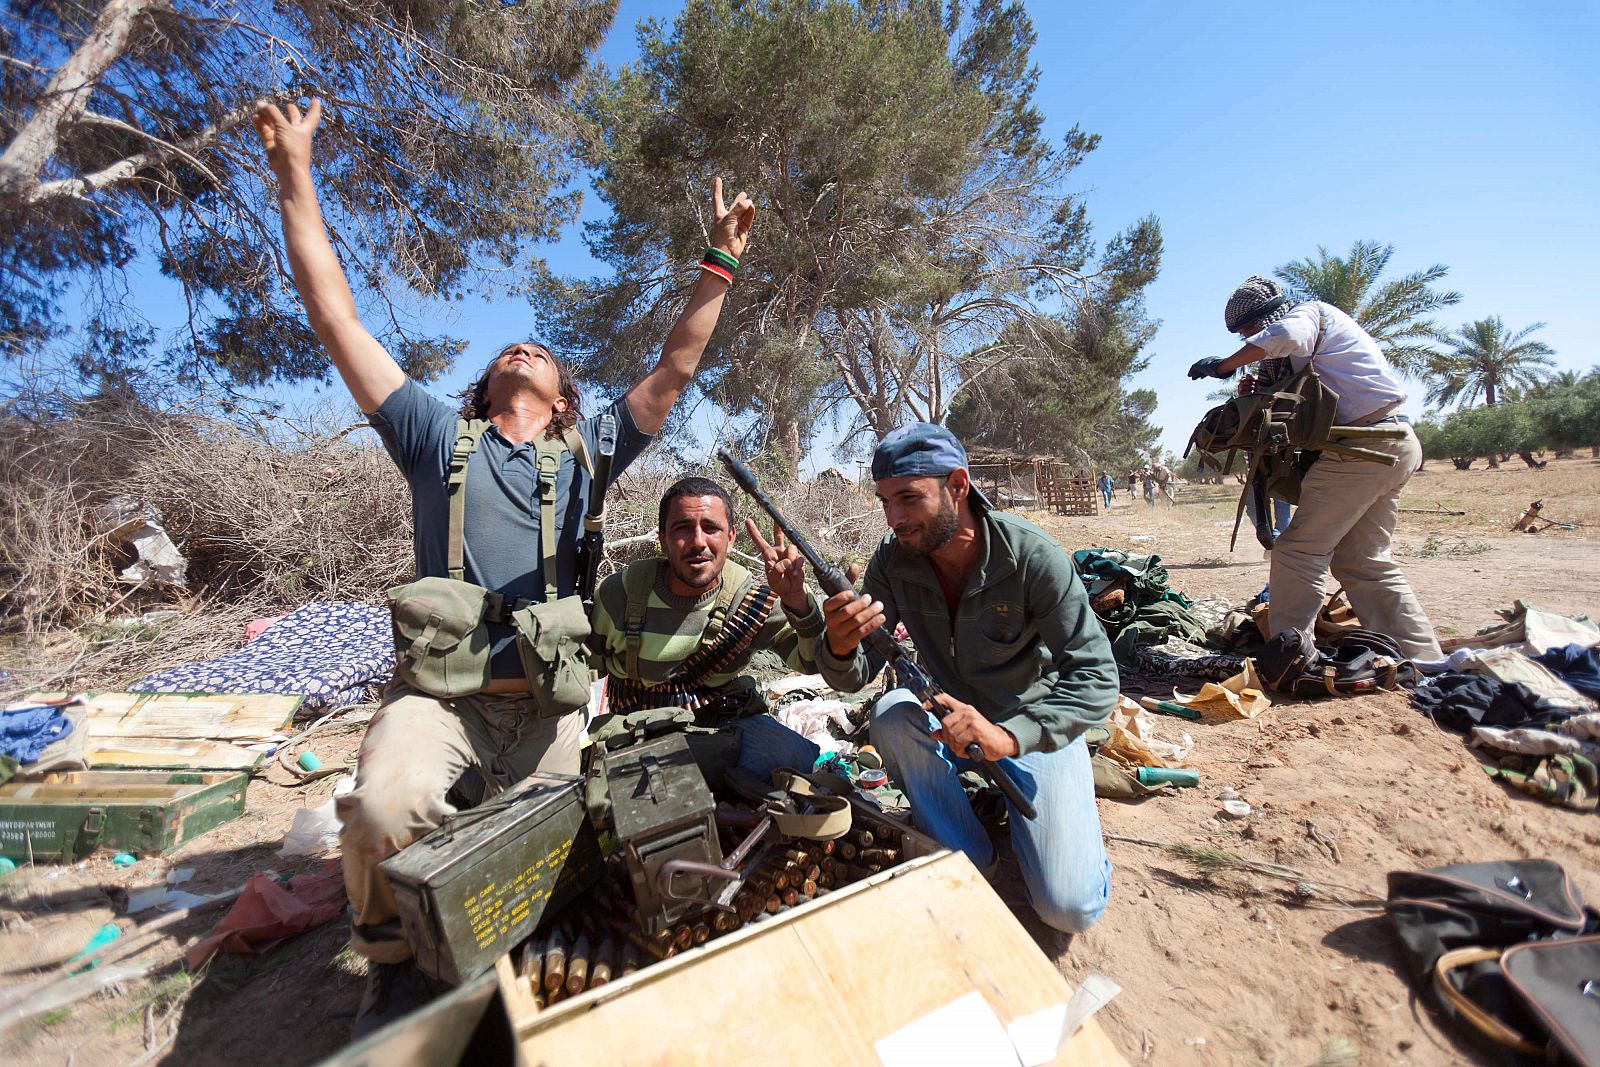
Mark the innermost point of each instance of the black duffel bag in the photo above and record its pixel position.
(1508, 950)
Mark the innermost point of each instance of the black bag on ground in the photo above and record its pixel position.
(1360, 661)
(1509, 950)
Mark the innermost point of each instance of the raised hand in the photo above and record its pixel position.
(786, 568)
(732, 227)
(287, 138)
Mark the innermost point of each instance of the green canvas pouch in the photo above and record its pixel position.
(441, 645)
(550, 640)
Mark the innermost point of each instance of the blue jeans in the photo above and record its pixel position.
(766, 744)
(1105, 491)
(1062, 855)
(1280, 514)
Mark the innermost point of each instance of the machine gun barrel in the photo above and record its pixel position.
(909, 673)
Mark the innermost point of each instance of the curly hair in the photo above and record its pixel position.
(475, 397)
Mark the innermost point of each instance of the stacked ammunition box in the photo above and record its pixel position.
(603, 936)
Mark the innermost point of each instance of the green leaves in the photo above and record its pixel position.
(1485, 358)
(449, 132)
(908, 212)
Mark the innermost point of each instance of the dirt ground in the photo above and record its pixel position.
(1224, 969)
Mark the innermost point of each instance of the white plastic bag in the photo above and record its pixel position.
(316, 830)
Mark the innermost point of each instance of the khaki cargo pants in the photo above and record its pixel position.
(1344, 524)
(414, 751)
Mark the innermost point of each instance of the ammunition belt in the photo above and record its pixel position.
(687, 688)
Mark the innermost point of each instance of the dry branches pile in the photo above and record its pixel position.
(268, 517)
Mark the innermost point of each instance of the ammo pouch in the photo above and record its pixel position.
(1509, 950)
(441, 642)
(550, 638)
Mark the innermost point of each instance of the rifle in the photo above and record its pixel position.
(907, 670)
(593, 542)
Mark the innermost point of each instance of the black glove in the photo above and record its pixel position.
(1209, 368)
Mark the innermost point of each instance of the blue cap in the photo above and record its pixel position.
(921, 450)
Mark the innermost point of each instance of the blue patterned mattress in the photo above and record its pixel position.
(332, 652)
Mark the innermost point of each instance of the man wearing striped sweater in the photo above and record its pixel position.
(679, 629)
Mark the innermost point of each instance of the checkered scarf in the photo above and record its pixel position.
(1259, 300)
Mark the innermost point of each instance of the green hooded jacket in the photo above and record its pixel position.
(1025, 650)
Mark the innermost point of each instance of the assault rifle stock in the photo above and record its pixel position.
(907, 670)
(593, 542)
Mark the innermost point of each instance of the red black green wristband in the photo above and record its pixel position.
(720, 263)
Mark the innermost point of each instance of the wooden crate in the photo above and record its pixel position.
(818, 985)
(1065, 492)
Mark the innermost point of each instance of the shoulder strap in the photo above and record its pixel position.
(735, 581)
(469, 433)
(637, 580)
(748, 613)
(580, 451)
(547, 455)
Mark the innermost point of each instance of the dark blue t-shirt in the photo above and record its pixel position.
(501, 534)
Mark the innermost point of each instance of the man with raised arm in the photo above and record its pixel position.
(419, 745)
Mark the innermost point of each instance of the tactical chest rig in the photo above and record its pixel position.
(1283, 427)
(442, 644)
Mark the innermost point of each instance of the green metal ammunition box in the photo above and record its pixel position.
(476, 886)
(662, 810)
(69, 814)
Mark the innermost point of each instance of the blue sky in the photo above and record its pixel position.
(1465, 133)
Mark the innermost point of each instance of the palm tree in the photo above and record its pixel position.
(1486, 358)
(1394, 313)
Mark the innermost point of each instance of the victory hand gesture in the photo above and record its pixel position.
(732, 228)
(786, 568)
(287, 139)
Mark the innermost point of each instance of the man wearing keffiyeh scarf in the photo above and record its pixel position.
(1348, 507)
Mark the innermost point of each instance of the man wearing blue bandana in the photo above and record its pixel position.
(1002, 623)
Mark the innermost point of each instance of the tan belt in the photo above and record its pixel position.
(507, 685)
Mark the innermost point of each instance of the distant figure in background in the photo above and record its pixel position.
(1164, 482)
(1147, 479)
(1133, 486)
(1107, 486)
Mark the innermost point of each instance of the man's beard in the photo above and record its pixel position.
(681, 571)
(937, 533)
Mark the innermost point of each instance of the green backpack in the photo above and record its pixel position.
(1283, 428)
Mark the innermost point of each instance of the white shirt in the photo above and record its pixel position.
(1348, 360)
